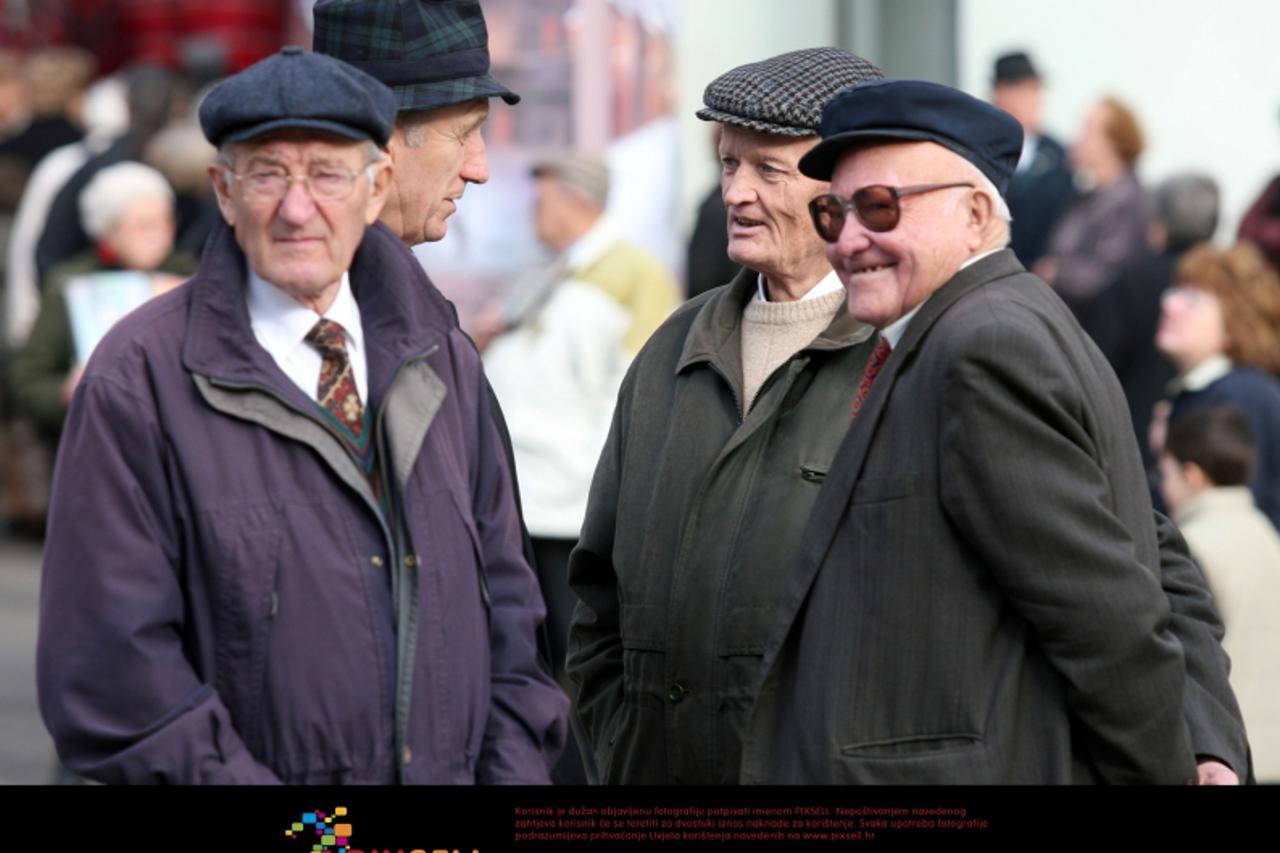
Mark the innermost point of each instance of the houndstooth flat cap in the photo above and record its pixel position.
(784, 94)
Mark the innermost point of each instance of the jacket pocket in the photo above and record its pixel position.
(946, 758)
(451, 692)
(247, 539)
(912, 745)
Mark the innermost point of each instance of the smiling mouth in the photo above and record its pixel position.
(869, 270)
(744, 222)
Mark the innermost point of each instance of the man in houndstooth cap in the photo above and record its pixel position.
(719, 444)
(724, 432)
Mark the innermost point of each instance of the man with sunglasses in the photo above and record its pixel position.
(978, 598)
(284, 544)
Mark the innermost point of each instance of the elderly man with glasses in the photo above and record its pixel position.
(978, 597)
(284, 544)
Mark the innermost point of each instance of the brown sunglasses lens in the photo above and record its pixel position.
(876, 208)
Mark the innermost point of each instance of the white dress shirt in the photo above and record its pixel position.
(281, 323)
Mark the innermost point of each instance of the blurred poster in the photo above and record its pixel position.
(593, 75)
(97, 301)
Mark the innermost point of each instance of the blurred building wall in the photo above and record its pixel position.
(1204, 79)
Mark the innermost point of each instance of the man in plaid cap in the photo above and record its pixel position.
(725, 430)
(434, 54)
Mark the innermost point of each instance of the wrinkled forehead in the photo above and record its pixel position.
(896, 164)
(297, 147)
(741, 143)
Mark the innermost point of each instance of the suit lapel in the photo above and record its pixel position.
(837, 490)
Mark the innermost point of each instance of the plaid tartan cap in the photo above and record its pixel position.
(432, 53)
(785, 94)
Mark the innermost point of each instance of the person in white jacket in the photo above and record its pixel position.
(557, 365)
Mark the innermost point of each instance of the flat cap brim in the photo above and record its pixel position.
(446, 93)
(820, 161)
(758, 125)
(263, 128)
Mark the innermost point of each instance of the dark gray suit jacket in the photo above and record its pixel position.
(979, 597)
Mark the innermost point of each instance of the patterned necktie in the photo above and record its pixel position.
(878, 357)
(337, 393)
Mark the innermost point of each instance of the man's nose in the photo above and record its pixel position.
(475, 168)
(853, 239)
(736, 188)
(297, 206)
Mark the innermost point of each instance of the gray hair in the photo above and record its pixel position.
(585, 174)
(413, 124)
(1187, 206)
(113, 190)
(985, 184)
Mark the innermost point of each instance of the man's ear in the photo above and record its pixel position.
(218, 177)
(380, 188)
(1196, 476)
(982, 209)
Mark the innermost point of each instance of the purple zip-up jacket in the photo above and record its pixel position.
(224, 602)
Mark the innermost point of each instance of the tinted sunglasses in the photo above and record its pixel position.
(876, 207)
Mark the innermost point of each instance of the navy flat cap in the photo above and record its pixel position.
(889, 110)
(296, 89)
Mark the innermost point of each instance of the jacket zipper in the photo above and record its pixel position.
(403, 687)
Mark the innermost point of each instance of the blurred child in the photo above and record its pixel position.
(1206, 465)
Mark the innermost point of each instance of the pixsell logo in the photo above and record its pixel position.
(323, 830)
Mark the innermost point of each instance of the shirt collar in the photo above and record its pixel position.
(597, 239)
(829, 283)
(281, 321)
(1202, 375)
(895, 330)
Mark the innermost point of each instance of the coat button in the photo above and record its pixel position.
(376, 560)
(677, 692)
(411, 560)
(407, 756)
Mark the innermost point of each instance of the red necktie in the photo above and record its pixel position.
(878, 357)
(336, 392)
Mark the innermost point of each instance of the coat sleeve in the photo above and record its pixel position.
(595, 637)
(525, 730)
(1217, 728)
(116, 688)
(40, 368)
(1022, 480)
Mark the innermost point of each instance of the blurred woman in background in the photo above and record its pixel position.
(128, 211)
(1220, 326)
(1105, 229)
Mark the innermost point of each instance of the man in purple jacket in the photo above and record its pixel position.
(283, 544)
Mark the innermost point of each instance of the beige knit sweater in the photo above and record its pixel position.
(772, 332)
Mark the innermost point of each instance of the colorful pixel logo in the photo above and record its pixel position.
(325, 834)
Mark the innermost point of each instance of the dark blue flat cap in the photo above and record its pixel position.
(296, 89)
(906, 110)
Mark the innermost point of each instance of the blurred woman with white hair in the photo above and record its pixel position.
(127, 209)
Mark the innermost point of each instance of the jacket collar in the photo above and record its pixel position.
(402, 313)
(853, 449)
(716, 333)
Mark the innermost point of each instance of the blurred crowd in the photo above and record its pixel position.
(102, 169)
